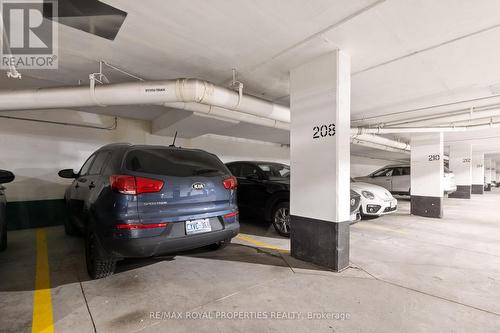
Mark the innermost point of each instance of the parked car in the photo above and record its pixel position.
(375, 200)
(143, 201)
(396, 179)
(5, 177)
(264, 190)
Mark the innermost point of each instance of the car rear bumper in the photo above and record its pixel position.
(141, 247)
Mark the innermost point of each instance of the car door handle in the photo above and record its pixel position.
(91, 185)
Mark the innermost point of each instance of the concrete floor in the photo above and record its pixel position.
(408, 274)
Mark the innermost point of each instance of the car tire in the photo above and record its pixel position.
(69, 227)
(220, 245)
(281, 218)
(98, 265)
(3, 237)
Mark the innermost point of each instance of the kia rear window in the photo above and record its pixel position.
(174, 162)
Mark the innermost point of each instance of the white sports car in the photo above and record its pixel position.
(375, 200)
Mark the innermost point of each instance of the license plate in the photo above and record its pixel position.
(198, 226)
(393, 204)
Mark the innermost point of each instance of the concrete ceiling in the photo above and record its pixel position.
(405, 54)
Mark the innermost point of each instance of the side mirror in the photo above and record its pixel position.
(6, 176)
(253, 176)
(67, 173)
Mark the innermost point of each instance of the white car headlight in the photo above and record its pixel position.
(368, 195)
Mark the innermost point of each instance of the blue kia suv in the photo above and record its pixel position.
(141, 201)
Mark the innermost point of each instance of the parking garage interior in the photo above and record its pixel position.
(396, 101)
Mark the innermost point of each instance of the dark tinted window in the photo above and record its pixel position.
(397, 172)
(406, 171)
(248, 169)
(99, 161)
(235, 169)
(86, 166)
(174, 162)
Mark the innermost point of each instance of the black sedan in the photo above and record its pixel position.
(5, 177)
(264, 190)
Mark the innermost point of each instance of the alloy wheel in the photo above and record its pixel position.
(282, 220)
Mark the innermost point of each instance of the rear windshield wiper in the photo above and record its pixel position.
(203, 171)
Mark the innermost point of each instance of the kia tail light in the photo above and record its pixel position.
(230, 183)
(126, 184)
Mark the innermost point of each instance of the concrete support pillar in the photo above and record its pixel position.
(320, 161)
(487, 174)
(427, 175)
(461, 166)
(477, 173)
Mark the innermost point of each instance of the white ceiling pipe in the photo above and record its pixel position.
(478, 121)
(396, 130)
(204, 92)
(452, 117)
(142, 92)
(444, 108)
(379, 146)
(83, 96)
(381, 141)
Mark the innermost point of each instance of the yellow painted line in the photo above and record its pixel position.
(42, 302)
(258, 243)
(379, 227)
